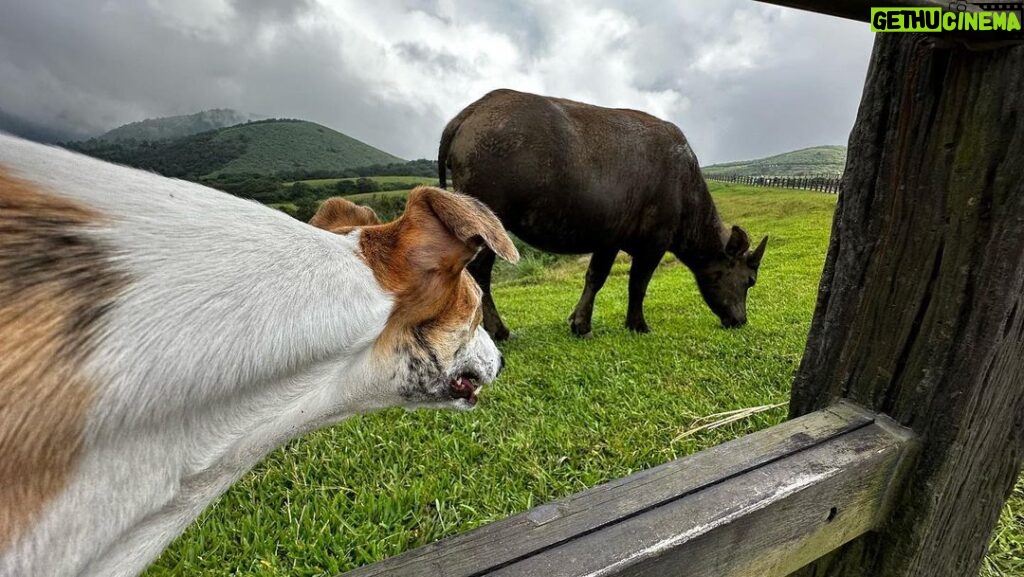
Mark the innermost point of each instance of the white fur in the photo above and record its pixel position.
(241, 329)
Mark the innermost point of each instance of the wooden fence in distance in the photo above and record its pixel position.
(827, 184)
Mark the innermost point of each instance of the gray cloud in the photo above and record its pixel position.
(742, 79)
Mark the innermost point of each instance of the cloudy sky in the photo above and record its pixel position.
(742, 79)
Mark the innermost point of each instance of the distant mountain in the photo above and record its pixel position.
(264, 147)
(171, 127)
(25, 128)
(814, 161)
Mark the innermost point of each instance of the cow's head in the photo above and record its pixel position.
(725, 278)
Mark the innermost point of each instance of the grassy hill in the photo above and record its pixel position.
(287, 145)
(171, 127)
(814, 161)
(265, 147)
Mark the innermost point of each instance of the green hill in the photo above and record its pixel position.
(171, 127)
(264, 147)
(814, 161)
(296, 145)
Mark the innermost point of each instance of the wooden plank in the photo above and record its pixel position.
(604, 510)
(766, 523)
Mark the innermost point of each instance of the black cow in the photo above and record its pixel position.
(573, 178)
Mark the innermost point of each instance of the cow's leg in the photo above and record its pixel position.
(480, 269)
(644, 265)
(600, 265)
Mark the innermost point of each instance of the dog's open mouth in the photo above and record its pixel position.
(465, 387)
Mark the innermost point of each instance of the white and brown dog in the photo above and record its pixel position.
(158, 338)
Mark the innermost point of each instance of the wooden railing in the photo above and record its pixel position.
(763, 505)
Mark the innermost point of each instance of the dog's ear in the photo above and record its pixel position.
(340, 215)
(455, 226)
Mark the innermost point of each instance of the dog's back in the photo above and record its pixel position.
(57, 282)
(157, 338)
(101, 271)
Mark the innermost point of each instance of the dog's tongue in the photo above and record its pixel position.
(464, 388)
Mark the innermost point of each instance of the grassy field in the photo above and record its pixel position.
(411, 181)
(366, 196)
(567, 414)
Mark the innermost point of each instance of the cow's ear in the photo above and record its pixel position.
(739, 242)
(754, 258)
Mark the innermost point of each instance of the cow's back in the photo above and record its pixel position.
(568, 176)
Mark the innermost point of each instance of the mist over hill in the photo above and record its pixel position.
(171, 127)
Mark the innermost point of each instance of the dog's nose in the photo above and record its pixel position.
(501, 365)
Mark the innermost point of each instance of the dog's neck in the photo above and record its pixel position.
(225, 291)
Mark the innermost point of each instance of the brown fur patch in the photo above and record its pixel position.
(421, 258)
(55, 286)
(340, 215)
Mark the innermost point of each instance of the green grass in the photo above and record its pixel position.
(567, 414)
(1006, 552)
(360, 198)
(412, 181)
(286, 206)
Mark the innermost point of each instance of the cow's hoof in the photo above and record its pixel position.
(640, 327)
(581, 330)
(588, 334)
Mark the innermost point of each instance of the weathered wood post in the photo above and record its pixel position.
(920, 311)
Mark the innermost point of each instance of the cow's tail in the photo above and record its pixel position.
(442, 150)
(447, 136)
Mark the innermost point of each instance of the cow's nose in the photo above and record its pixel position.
(734, 323)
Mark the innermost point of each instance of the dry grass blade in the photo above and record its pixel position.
(717, 420)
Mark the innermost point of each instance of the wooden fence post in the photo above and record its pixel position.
(920, 310)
